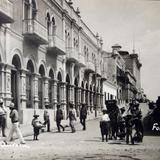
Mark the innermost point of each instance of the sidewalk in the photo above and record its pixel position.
(27, 130)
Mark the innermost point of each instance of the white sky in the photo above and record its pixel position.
(121, 21)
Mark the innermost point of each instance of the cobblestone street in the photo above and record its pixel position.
(80, 145)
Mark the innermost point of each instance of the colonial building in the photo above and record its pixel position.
(48, 55)
(123, 74)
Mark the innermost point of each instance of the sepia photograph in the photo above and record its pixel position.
(79, 80)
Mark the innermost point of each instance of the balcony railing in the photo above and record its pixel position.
(6, 11)
(91, 66)
(56, 45)
(72, 54)
(35, 31)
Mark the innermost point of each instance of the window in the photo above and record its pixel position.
(26, 9)
(48, 23)
(34, 9)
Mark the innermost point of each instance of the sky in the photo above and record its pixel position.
(129, 22)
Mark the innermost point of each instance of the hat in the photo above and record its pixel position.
(1, 101)
(35, 115)
(11, 105)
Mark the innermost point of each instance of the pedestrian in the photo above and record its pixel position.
(15, 124)
(59, 117)
(72, 117)
(121, 124)
(128, 125)
(46, 118)
(3, 116)
(37, 125)
(104, 125)
(83, 116)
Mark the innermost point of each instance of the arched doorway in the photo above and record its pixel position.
(15, 80)
(59, 78)
(29, 84)
(50, 88)
(67, 92)
(41, 86)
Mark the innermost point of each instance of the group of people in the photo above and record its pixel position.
(120, 123)
(114, 122)
(36, 123)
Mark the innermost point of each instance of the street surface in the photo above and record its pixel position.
(80, 145)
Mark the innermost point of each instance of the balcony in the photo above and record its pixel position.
(35, 31)
(90, 66)
(81, 60)
(72, 54)
(6, 11)
(56, 45)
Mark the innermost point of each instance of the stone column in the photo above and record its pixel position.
(8, 94)
(35, 90)
(88, 99)
(79, 90)
(63, 97)
(46, 83)
(23, 88)
(2, 80)
(92, 99)
(54, 95)
(98, 101)
(83, 94)
(73, 94)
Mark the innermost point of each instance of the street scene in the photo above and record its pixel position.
(79, 79)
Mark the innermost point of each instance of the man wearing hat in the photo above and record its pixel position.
(15, 124)
(3, 114)
(37, 125)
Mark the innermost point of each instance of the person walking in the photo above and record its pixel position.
(72, 117)
(15, 124)
(59, 117)
(46, 118)
(83, 116)
(3, 115)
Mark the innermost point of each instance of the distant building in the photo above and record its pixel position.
(122, 70)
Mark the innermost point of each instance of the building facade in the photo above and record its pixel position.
(122, 72)
(48, 55)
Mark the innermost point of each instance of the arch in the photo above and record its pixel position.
(82, 84)
(17, 53)
(59, 76)
(42, 70)
(16, 61)
(76, 82)
(68, 79)
(51, 73)
(32, 59)
(30, 66)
